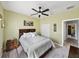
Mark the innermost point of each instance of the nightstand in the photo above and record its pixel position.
(11, 45)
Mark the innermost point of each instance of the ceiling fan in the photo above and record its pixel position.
(40, 12)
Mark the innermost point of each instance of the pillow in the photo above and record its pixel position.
(29, 35)
(34, 33)
(23, 35)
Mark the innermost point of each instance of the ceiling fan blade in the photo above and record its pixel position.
(45, 14)
(45, 10)
(34, 14)
(35, 10)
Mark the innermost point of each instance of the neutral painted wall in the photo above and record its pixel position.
(14, 22)
(57, 18)
(1, 32)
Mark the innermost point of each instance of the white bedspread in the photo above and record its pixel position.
(37, 47)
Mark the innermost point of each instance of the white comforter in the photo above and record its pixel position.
(37, 47)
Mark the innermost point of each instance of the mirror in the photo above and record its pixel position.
(71, 30)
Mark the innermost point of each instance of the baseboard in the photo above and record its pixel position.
(61, 45)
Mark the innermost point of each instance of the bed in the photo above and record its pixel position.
(35, 46)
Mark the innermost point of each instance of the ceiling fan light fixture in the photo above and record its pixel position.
(40, 12)
(39, 7)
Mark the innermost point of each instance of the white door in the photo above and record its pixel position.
(45, 30)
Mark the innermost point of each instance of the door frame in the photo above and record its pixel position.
(63, 27)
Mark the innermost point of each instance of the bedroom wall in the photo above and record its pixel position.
(57, 18)
(14, 22)
(1, 32)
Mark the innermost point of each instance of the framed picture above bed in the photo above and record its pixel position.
(28, 23)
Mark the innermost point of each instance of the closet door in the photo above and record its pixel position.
(45, 30)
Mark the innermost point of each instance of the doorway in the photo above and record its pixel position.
(70, 32)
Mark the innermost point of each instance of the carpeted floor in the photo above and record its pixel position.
(57, 52)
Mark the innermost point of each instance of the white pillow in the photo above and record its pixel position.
(23, 35)
(34, 33)
(29, 35)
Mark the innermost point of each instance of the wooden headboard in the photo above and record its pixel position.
(21, 31)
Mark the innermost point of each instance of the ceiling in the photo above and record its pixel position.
(25, 7)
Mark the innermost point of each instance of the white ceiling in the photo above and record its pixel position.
(25, 7)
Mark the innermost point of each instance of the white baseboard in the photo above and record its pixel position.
(59, 44)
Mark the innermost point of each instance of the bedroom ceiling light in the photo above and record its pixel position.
(40, 12)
